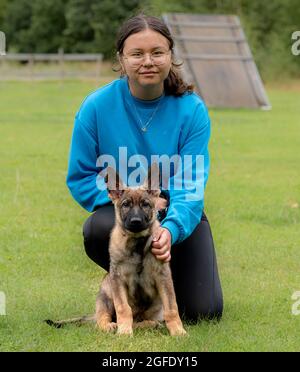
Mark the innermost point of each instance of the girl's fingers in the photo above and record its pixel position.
(157, 235)
(161, 251)
(169, 258)
(160, 243)
(164, 257)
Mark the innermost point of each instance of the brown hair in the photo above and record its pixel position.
(174, 84)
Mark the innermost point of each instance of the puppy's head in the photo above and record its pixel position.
(134, 207)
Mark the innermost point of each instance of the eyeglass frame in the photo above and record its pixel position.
(144, 56)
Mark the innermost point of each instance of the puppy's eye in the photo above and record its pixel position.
(126, 203)
(145, 204)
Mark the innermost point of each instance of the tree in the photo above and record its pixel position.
(34, 25)
(16, 25)
(107, 17)
(79, 34)
(47, 25)
(3, 6)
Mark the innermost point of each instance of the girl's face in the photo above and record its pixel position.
(146, 60)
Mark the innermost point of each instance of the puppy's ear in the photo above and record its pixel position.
(115, 186)
(152, 181)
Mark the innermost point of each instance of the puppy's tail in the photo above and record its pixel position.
(77, 321)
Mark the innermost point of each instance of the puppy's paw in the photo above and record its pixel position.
(178, 332)
(125, 329)
(176, 329)
(107, 326)
(111, 327)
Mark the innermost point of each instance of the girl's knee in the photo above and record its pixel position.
(96, 240)
(97, 227)
(87, 228)
(202, 311)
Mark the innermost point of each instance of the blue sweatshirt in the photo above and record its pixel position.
(108, 124)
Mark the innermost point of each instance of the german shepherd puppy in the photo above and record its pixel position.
(138, 289)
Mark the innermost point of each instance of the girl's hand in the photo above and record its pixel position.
(161, 244)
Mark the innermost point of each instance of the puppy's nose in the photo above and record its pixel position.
(136, 221)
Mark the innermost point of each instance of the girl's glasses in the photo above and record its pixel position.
(159, 57)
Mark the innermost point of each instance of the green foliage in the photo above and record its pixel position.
(269, 28)
(79, 34)
(16, 25)
(91, 25)
(47, 25)
(3, 5)
(107, 18)
(34, 25)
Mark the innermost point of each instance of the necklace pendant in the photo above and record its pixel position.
(144, 129)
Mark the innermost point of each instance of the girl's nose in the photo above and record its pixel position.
(148, 60)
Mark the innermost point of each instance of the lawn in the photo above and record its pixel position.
(252, 202)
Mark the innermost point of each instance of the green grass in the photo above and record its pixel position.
(252, 202)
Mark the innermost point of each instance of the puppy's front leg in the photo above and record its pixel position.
(122, 308)
(167, 294)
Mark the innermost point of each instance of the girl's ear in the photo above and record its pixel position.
(119, 57)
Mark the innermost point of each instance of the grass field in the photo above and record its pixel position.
(252, 202)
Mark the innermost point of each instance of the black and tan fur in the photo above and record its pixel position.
(138, 290)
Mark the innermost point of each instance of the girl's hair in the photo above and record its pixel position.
(174, 84)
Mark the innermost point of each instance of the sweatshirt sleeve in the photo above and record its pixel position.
(187, 202)
(82, 170)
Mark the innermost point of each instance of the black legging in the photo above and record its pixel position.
(193, 263)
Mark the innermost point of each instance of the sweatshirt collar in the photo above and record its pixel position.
(138, 101)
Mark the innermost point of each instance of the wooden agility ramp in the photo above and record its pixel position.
(218, 60)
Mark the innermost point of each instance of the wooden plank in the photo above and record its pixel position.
(51, 57)
(254, 76)
(212, 39)
(186, 68)
(203, 24)
(62, 71)
(217, 59)
(83, 57)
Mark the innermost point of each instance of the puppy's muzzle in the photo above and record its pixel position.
(136, 224)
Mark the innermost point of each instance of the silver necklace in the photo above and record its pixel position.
(148, 122)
